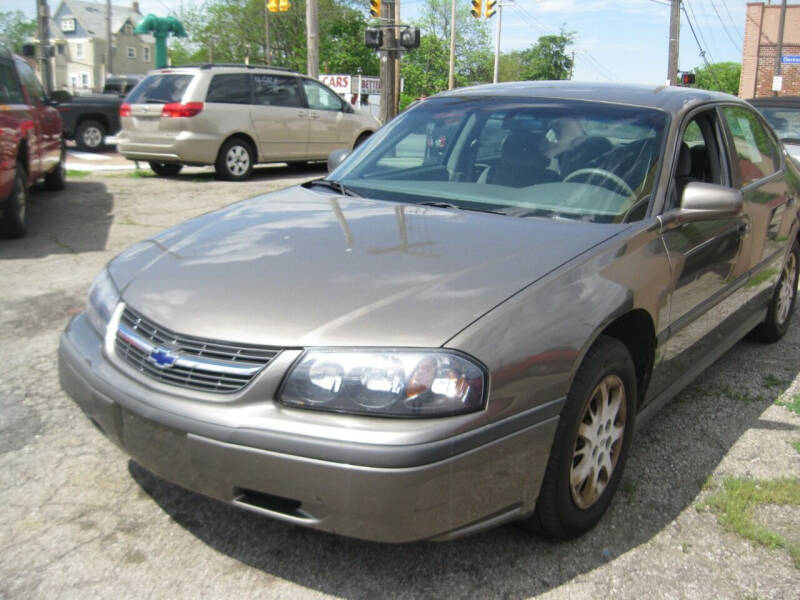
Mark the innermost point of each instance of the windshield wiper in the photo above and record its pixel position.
(443, 204)
(333, 185)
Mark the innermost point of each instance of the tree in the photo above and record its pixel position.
(548, 58)
(719, 77)
(15, 29)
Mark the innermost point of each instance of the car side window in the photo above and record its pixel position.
(321, 98)
(756, 152)
(10, 90)
(699, 158)
(30, 81)
(276, 90)
(229, 89)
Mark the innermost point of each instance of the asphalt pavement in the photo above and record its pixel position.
(78, 519)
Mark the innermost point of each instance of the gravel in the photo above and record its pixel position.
(78, 519)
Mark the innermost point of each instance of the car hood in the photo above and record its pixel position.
(302, 268)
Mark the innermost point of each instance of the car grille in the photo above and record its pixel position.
(196, 363)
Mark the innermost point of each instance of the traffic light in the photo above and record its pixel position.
(375, 8)
(283, 5)
(687, 79)
(409, 38)
(373, 37)
(477, 6)
(272, 6)
(491, 8)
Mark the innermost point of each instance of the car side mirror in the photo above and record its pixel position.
(336, 158)
(703, 201)
(346, 108)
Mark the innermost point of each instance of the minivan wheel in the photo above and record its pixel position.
(591, 444)
(235, 160)
(781, 306)
(15, 211)
(165, 169)
(89, 135)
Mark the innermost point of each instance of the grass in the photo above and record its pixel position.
(771, 381)
(138, 173)
(735, 500)
(762, 277)
(74, 173)
(793, 403)
(741, 396)
(796, 445)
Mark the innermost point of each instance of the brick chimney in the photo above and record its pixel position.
(135, 6)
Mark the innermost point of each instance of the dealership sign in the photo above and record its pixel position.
(352, 84)
(339, 83)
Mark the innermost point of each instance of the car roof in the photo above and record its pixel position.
(788, 101)
(672, 99)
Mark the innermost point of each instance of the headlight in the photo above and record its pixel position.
(103, 298)
(398, 383)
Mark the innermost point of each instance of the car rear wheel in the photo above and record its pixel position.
(235, 160)
(166, 169)
(779, 312)
(57, 178)
(15, 211)
(361, 139)
(591, 444)
(90, 135)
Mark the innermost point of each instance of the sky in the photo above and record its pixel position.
(618, 41)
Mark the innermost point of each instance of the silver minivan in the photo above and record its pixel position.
(234, 116)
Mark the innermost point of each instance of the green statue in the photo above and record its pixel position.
(161, 27)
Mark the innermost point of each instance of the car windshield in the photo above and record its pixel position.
(523, 157)
(160, 88)
(784, 120)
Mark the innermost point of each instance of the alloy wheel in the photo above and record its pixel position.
(599, 441)
(237, 160)
(92, 137)
(787, 288)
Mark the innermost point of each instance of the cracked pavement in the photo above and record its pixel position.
(78, 519)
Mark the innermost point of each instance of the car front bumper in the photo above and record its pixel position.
(460, 485)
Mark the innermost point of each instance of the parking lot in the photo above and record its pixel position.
(79, 519)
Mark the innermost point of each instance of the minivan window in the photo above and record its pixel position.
(276, 90)
(10, 90)
(160, 88)
(321, 98)
(229, 89)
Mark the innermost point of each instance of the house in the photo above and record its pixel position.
(78, 39)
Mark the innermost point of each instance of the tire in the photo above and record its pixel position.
(90, 135)
(166, 169)
(781, 306)
(573, 498)
(361, 139)
(235, 160)
(56, 179)
(15, 208)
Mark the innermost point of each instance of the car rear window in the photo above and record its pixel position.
(160, 88)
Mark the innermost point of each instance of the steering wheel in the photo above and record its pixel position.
(606, 175)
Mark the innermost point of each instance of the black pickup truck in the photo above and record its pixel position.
(89, 119)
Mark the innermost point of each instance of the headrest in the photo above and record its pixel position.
(525, 148)
(684, 161)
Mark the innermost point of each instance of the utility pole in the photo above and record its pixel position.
(109, 50)
(396, 63)
(267, 51)
(43, 22)
(497, 42)
(388, 91)
(674, 37)
(778, 83)
(451, 78)
(312, 37)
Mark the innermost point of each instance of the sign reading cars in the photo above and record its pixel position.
(348, 84)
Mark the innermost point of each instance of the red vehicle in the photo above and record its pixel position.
(31, 144)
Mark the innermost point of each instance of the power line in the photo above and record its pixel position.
(684, 4)
(702, 52)
(730, 18)
(724, 26)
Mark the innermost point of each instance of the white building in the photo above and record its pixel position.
(78, 37)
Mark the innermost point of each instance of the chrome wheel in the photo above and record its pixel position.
(599, 441)
(787, 289)
(92, 137)
(237, 160)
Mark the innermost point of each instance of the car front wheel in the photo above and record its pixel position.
(15, 210)
(90, 135)
(591, 444)
(781, 306)
(235, 160)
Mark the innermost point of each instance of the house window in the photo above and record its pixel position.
(131, 52)
(60, 49)
(79, 51)
(67, 25)
(84, 80)
(146, 54)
